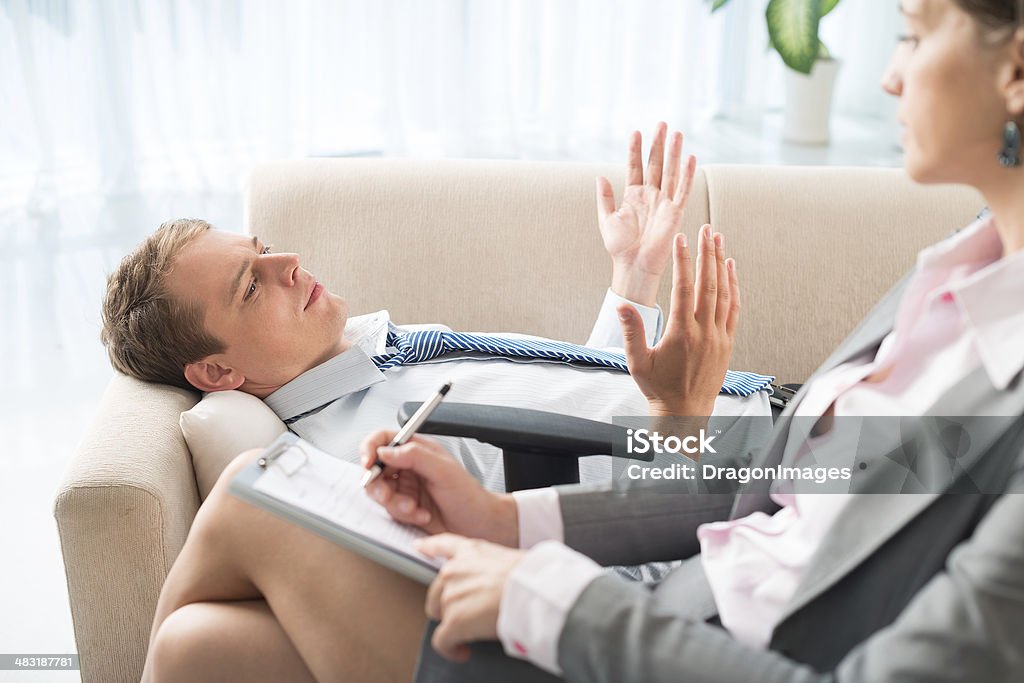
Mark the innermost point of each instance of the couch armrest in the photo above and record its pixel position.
(123, 510)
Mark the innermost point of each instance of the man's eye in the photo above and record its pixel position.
(266, 249)
(252, 290)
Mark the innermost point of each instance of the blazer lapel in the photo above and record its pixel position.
(868, 520)
(867, 335)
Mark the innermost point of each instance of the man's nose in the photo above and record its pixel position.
(284, 266)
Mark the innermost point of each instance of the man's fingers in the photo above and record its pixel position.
(628, 214)
(722, 277)
(682, 284)
(671, 176)
(656, 159)
(706, 285)
(734, 289)
(635, 166)
(605, 198)
(634, 338)
(682, 193)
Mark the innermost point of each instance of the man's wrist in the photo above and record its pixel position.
(681, 425)
(681, 408)
(635, 285)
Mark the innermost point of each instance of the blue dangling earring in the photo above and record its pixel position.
(1009, 155)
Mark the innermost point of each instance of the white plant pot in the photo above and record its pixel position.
(809, 103)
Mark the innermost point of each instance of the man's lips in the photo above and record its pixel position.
(318, 289)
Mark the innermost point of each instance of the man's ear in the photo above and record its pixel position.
(210, 375)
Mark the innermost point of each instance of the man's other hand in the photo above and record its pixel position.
(638, 235)
(423, 485)
(683, 373)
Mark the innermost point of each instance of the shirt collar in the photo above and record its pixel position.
(348, 372)
(989, 298)
(979, 241)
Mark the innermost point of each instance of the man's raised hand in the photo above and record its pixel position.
(682, 374)
(638, 235)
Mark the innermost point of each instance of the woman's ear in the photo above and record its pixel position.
(1012, 81)
(209, 374)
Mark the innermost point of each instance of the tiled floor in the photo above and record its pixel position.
(52, 272)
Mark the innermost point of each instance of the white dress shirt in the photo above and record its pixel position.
(960, 311)
(340, 401)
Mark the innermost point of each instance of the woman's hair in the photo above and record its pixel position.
(149, 334)
(998, 18)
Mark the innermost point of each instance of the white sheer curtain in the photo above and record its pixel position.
(128, 95)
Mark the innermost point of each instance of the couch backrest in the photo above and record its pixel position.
(514, 246)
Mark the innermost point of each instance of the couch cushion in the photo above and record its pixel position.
(222, 425)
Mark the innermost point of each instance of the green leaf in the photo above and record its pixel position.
(823, 52)
(826, 6)
(719, 4)
(793, 29)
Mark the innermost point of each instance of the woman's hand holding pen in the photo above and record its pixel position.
(683, 373)
(426, 487)
(638, 235)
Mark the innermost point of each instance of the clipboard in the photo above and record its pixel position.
(305, 486)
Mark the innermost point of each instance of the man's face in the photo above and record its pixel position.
(274, 318)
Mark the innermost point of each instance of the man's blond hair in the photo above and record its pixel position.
(148, 333)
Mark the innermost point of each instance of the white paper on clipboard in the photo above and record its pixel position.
(309, 479)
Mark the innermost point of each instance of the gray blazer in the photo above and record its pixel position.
(904, 588)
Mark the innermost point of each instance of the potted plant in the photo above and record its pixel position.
(793, 33)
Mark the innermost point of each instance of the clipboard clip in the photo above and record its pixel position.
(280, 448)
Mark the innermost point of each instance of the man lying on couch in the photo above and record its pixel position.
(200, 308)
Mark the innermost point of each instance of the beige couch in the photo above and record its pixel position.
(478, 245)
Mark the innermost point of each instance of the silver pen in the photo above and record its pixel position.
(407, 431)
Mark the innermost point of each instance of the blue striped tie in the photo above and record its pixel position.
(422, 346)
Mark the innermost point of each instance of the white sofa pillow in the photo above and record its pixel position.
(222, 425)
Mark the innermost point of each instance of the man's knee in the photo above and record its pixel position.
(222, 509)
(237, 464)
(181, 646)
